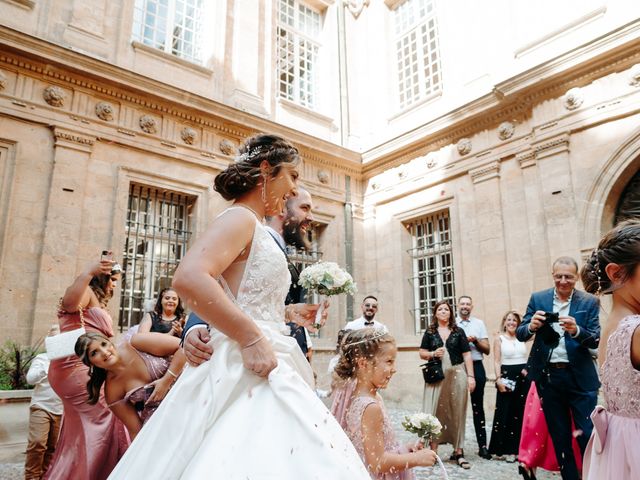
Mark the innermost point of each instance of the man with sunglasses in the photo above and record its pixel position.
(367, 320)
(565, 322)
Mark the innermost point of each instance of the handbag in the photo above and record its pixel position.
(432, 371)
(63, 345)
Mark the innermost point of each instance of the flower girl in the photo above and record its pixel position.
(368, 358)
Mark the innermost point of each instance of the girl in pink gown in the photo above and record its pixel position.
(92, 439)
(368, 363)
(612, 452)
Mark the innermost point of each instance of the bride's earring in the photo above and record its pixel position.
(264, 188)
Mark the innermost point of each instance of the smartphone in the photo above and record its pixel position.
(106, 255)
(551, 317)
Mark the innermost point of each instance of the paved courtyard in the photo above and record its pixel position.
(480, 469)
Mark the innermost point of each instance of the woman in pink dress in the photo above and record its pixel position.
(92, 439)
(612, 452)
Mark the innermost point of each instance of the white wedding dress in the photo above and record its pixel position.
(220, 421)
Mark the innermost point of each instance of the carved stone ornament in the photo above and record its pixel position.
(188, 135)
(464, 146)
(573, 99)
(356, 6)
(104, 111)
(323, 177)
(227, 147)
(3, 81)
(432, 162)
(505, 130)
(54, 96)
(634, 78)
(148, 124)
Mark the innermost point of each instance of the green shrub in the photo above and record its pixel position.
(15, 360)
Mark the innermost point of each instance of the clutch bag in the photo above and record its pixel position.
(63, 345)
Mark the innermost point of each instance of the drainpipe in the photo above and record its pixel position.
(348, 239)
(342, 75)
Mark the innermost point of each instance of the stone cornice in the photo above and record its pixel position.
(485, 172)
(79, 71)
(512, 98)
(73, 140)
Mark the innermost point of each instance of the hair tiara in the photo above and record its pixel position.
(379, 333)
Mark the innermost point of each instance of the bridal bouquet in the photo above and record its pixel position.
(326, 278)
(425, 425)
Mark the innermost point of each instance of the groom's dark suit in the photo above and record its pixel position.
(571, 389)
(296, 294)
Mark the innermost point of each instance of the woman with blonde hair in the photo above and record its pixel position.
(509, 362)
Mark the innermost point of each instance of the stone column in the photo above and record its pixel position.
(557, 195)
(63, 224)
(490, 239)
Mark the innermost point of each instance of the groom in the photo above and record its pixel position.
(289, 228)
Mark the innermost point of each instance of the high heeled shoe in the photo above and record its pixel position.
(526, 473)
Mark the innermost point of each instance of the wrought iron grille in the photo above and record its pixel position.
(433, 276)
(158, 229)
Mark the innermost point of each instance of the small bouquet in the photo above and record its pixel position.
(425, 425)
(326, 278)
(428, 428)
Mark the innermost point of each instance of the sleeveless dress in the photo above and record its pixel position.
(507, 418)
(221, 421)
(353, 421)
(157, 367)
(612, 452)
(92, 439)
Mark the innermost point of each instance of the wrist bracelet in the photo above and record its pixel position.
(253, 342)
(171, 373)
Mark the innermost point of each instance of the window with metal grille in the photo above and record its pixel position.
(417, 51)
(433, 276)
(158, 229)
(297, 40)
(173, 26)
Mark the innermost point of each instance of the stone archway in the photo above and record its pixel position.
(629, 204)
(606, 191)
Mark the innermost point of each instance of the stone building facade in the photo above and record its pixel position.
(450, 148)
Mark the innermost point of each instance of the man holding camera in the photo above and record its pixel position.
(566, 325)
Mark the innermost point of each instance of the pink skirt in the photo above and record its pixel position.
(536, 448)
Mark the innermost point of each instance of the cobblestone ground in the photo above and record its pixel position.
(480, 469)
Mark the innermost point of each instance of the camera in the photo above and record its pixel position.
(551, 317)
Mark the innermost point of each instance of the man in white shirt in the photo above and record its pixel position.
(367, 320)
(476, 332)
(44, 417)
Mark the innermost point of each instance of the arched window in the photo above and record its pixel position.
(629, 204)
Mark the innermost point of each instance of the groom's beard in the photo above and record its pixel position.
(294, 235)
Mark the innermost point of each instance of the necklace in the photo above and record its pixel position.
(261, 218)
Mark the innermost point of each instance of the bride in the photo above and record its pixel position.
(250, 412)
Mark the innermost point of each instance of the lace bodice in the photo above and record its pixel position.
(620, 381)
(265, 281)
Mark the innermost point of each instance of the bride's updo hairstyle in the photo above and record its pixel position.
(359, 344)
(621, 246)
(243, 175)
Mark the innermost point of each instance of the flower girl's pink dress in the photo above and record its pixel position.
(613, 450)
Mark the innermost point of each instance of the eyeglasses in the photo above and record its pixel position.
(370, 305)
(564, 277)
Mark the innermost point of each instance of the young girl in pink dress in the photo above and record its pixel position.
(612, 452)
(368, 358)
